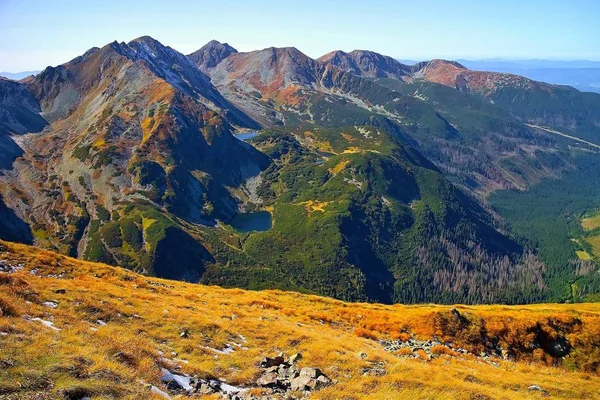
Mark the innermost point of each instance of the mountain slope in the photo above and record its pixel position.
(138, 126)
(538, 103)
(111, 331)
(491, 149)
(358, 215)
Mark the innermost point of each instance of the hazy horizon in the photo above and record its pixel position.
(56, 32)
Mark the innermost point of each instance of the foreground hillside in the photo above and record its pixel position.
(72, 329)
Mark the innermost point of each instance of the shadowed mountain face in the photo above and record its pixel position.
(371, 174)
(211, 54)
(368, 64)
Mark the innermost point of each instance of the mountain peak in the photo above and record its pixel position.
(367, 63)
(211, 54)
(145, 39)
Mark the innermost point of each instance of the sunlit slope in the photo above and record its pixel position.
(69, 328)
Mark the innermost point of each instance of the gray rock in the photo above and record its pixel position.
(300, 383)
(268, 379)
(310, 372)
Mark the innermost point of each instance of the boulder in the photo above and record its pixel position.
(309, 379)
(300, 383)
(268, 379)
(272, 362)
(295, 358)
(310, 372)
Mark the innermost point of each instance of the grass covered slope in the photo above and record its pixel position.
(358, 215)
(70, 329)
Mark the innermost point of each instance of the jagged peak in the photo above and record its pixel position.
(216, 44)
(211, 54)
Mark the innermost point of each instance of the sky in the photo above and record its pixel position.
(35, 34)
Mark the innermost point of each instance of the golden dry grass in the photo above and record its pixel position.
(594, 241)
(339, 167)
(144, 315)
(583, 255)
(314, 205)
(591, 223)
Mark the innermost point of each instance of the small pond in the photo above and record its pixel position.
(246, 136)
(252, 221)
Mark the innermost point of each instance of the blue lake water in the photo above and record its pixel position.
(246, 135)
(253, 221)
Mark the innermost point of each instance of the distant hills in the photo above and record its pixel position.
(17, 76)
(369, 179)
(583, 75)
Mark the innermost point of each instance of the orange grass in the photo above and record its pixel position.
(144, 315)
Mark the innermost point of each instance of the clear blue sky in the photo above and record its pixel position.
(34, 34)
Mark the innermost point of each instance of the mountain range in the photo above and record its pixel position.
(368, 179)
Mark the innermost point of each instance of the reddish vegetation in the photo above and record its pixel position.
(456, 76)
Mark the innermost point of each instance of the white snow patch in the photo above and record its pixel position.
(47, 324)
(226, 350)
(227, 388)
(51, 304)
(181, 380)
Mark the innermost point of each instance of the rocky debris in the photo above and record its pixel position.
(414, 345)
(282, 375)
(279, 379)
(175, 382)
(374, 368)
(9, 268)
(183, 384)
(412, 348)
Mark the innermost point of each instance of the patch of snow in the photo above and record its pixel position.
(51, 304)
(226, 350)
(227, 388)
(47, 324)
(101, 323)
(239, 345)
(182, 380)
